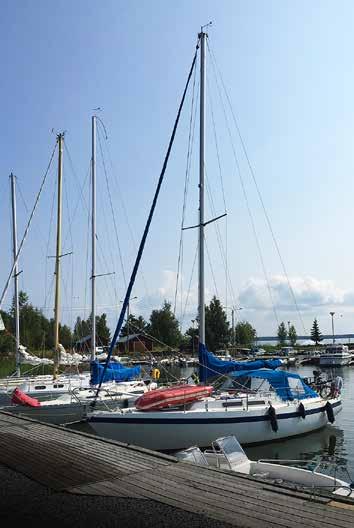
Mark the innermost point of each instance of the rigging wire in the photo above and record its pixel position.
(112, 209)
(260, 254)
(18, 187)
(100, 255)
(81, 188)
(87, 248)
(146, 231)
(219, 237)
(27, 226)
(211, 268)
(222, 186)
(252, 172)
(72, 245)
(108, 244)
(124, 209)
(185, 193)
(190, 284)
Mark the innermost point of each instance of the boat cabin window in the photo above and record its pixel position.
(296, 386)
(246, 384)
(40, 387)
(58, 385)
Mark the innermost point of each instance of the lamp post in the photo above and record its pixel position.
(233, 310)
(332, 314)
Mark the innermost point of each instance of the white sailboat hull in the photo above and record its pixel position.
(59, 414)
(173, 430)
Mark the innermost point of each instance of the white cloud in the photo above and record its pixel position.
(186, 300)
(309, 292)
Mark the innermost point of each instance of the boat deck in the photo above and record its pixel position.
(81, 464)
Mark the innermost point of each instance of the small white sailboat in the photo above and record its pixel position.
(284, 408)
(63, 398)
(42, 386)
(72, 406)
(227, 453)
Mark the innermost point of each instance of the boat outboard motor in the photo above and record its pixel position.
(273, 418)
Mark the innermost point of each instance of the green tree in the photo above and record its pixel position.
(217, 331)
(315, 333)
(190, 339)
(103, 334)
(164, 326)
(82, 328)
(34, 327)
(282, 334)
(7, 342)
(134, 325)
(245, 334)
(292, 335)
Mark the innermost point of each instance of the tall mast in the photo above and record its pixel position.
(93, 273)
(60, 140)
(14, 245)
(201, 309)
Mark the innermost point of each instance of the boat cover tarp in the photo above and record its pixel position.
(279, 380)
(114, 372)
(210, 365)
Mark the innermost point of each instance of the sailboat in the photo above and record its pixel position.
(258, 408)
(41, 386)
(64, 398)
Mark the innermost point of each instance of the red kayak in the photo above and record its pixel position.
(171, 397)
(22, 398)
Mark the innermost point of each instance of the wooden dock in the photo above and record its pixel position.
(81, 464)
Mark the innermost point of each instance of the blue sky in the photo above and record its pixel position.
(288, 70)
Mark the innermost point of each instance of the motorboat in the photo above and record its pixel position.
(227, 453)
(335, 356)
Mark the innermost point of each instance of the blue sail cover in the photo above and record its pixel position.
(114, 372)
(280, 381)
(210, 365)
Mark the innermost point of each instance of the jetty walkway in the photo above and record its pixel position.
(60, 475)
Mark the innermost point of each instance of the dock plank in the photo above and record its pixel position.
(84, 464)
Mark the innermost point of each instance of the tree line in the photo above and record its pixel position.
(290, 334)
(165, 329)
(36, 330)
